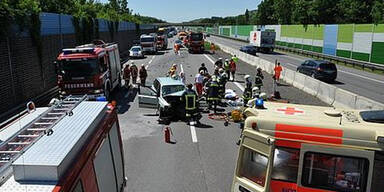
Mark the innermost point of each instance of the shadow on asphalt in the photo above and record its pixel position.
(124, 97)
(334, 82)
(204, 126)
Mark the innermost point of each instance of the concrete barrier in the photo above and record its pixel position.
(299, 81)
(326, 93)
(367, 104)
(311, 86)
(289, 76)
(344, 99)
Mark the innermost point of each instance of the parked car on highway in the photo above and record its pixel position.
(250, 49)
(136, 52)
(164, 95)
(319, 69)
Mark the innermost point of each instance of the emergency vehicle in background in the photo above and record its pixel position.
(162, 38)
(73, 146)
(196, 42)
(149, 43)
(182, 35)
(92, 69)
(264, 41)
(300, 148)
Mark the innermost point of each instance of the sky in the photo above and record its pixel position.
(186, 10)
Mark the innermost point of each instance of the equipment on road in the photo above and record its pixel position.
(92, 69)
(264, 41)
(167, 135)
(73, 143)
(289, 147)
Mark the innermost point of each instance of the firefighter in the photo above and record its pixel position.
(259, 78)
(134, 72)
(127, 75)
(213, 93)
(219, 63)
(143, 75)
(203, 68)
(222, 80)
(247, 94)
(213, 48)
(227, 68)
(189, 98)
(172, 70)
(176, 48)
(278, 69)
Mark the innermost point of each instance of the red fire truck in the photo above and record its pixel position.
(92, 69)
(73, 146)
(196, 42)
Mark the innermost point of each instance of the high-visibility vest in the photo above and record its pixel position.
(235, 59)
(190, 101)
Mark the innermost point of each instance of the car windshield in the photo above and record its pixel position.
(147, 39)
(328, 66)
(136, 49)
(80, 68)
(196, 37)
(169, 89)
(373, 116)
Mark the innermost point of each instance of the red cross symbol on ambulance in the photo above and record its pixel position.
(290, 111)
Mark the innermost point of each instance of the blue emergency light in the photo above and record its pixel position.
(101, 98)
(259, 103)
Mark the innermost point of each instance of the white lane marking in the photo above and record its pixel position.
(181, 67)
(236, 83)
(193, 132)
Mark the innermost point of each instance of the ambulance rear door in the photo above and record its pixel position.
(328, 168)
(255, 162)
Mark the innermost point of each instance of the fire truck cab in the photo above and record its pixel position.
(300, 148)
(73, 146)
(92, 69)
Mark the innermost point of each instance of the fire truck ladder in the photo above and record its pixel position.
(15, 146)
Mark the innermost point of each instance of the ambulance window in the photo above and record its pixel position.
(286, 164)
(378, 173)
(254, 166)
(335, 173)
(373, 116)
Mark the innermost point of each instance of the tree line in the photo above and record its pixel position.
(306, 12)
(23, 11)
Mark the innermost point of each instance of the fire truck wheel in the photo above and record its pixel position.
(107, 92)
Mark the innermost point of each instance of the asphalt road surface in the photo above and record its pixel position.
(203, 158)
(356, 81)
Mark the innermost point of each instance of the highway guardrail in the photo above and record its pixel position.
(346, 61)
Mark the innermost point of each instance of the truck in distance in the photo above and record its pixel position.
(196, 42)
(162, 40)
(148, 43)
(92, 69)
(264, 41)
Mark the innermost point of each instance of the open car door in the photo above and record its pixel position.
(148, 98)
(254, 163)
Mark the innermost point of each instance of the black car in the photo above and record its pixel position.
(318, 69)
(250, 49)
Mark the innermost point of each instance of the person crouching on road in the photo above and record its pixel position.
(219, 63)
(172, 70)
(189, 98)
(232, 65)
(127, 75)
(134, 73)
(143, 75)
(199, 79)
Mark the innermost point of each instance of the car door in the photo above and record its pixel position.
(312, 66)
(328, 168)
(148, 98)
(302, 67)
(255, 162)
